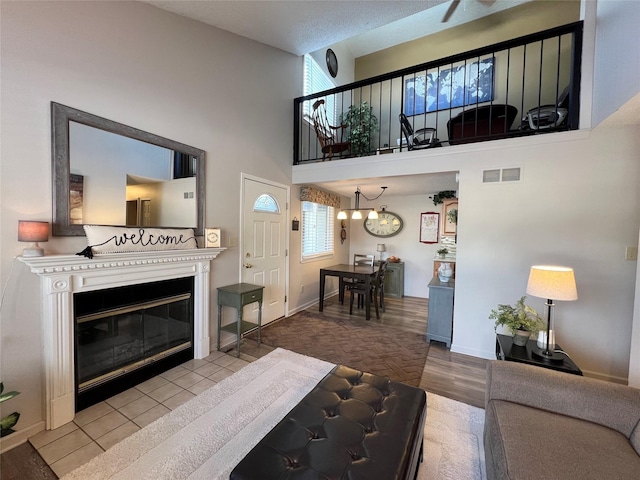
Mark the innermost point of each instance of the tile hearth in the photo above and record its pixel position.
(101, 426)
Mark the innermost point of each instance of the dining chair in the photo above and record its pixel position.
(360, 259)
(376, 291)
(364, 259)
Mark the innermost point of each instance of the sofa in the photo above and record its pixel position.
(540, 423)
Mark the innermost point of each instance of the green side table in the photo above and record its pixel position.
(237, 296)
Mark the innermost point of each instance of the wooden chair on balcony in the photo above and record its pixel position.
(329, 136)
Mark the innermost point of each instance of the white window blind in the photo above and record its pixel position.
(316, 80)
(317, 230)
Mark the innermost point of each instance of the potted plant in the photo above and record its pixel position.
(442, 252)
(363, 125)
(521, 319)
(7, 423)
(440, 197)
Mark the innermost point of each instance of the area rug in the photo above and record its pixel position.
(351, 341)
(207, 437)
(453, 445)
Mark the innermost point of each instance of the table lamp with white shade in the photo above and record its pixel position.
(553, 283)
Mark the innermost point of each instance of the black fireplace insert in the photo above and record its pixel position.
(126, 335)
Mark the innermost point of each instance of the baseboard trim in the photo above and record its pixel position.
(604, 377)
(20, 436)
(489, 355)
(304, 306)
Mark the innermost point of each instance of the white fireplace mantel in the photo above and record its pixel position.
(63, 275)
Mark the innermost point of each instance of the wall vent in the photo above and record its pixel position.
(497, 175)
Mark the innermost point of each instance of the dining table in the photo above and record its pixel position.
(363, 273)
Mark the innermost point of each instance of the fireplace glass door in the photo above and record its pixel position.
(119, 332)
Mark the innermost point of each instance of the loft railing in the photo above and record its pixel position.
(528, 85)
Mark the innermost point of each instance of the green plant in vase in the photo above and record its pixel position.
(363, 125)
(521, 319)
(7, 423)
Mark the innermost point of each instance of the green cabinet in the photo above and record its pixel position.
(394, 280)
(440, 315)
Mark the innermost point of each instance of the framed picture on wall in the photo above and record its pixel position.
(449, 216)
(429, 227)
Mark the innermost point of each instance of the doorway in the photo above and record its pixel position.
(264, 243)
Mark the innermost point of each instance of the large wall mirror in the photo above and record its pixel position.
(107, 173)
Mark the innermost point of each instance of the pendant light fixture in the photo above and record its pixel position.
(357, 212)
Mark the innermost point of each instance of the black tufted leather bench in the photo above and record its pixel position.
(352, 425)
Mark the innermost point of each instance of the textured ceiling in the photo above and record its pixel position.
(304, 26)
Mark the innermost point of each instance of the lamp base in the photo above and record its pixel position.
(34, 250)
(551, 357)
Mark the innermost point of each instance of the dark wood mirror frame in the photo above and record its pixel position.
(61, 168)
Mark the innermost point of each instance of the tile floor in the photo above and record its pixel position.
(101, 426)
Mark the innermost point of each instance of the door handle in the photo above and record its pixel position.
(248, 265)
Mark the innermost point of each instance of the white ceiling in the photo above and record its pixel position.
(399, 185)
(304, 26)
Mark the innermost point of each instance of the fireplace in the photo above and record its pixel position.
(128, 334)
(63, 277)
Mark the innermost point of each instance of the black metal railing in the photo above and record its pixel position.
(523, 86)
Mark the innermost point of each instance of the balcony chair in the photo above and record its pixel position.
(487, 122)
(376, 287)
(367, 260)
(330, 141)
(545, 117)
(421, 138)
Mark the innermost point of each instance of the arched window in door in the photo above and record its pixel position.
(266, 203)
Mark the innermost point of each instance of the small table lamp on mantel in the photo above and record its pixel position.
(551, 282)
(381, 248)
(29, 231)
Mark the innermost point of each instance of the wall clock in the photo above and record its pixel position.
(332, 63)
(212, 238)
(388, 224)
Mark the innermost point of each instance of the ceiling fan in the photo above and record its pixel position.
(454, 4)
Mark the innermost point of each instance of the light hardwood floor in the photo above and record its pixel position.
(452, 375)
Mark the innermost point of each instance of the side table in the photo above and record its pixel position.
(506, 350)
(237, 296)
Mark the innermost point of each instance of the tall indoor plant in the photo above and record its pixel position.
(362, 125)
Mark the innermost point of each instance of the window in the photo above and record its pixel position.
(266, 203)
(317, 230)
(315, 80)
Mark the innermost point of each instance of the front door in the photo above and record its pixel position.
(264, 244)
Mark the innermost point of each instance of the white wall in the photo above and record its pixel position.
(578, 206)
(417, 257)
(143, 67)
(617, 56)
